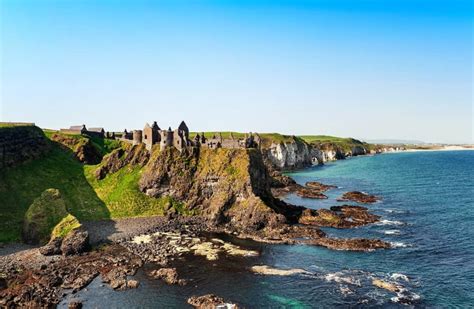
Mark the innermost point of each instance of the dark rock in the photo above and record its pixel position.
(131, 155)
(209, 301)
(53, 247)
(76, 242)
(339, 217)
(358, 197)
(83, 148)
(75, 305)
(319, 186)
(168, 275)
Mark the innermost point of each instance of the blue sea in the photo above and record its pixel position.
(427, 211)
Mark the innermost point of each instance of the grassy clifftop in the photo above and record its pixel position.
(344, 143)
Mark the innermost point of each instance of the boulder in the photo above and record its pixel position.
(168, 275)
(53, 247)
(75, 243)
(42, 216)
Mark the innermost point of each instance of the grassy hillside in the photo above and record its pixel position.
(344, 143)
(86, 198)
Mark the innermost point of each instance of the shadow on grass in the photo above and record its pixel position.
(59, 169)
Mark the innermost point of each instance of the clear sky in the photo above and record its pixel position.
(363, 68)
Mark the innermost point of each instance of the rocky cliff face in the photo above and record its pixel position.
(226, 186)
(21, 143)
(299, 154)
(289, 155)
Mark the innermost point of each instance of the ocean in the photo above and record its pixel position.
(427, 211)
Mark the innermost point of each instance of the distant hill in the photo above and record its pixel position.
(394, 142)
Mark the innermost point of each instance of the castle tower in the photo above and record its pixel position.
(137, 137)
(184, 128)
(166, 138)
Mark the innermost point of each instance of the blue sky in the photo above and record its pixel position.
(363, 68)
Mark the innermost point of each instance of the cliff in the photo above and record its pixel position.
(292, 154)
(225, 186)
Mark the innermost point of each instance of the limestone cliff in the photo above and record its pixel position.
(289, 154)
(297, 153)
(226, 186)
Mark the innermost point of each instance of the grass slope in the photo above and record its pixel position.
(85, 197)
(344, 143)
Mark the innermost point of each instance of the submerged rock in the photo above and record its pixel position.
(392, 287)
(267, 270)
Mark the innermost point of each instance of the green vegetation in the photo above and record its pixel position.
(24, 183)
(85, 197)
(15, 124)
(104, 145)
(344, 143)
(43, 215)
(66, 225)
(120, 193)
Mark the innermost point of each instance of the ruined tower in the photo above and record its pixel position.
(151, 135)
(137, 137)
(166, 138)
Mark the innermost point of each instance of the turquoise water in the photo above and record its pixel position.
(427, 212)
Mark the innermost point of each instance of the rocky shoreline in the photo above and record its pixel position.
(30, 278)
(246, 207)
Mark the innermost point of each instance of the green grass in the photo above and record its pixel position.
(344, 143)
(15, 124)
(44, 214)
(58, 169)
(104, 145)
(120, 193)
(328, 139)
(85, 197)
(65, 226)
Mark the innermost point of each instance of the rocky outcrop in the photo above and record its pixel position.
(339, 217)
(82, 147)
(288, 155)
(20, 144)
(226, 186)
(283, 185)
(210, 301)
(126, 155)
(75, 243)
(359, 197)
(168, 275)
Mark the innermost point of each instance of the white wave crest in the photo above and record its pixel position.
(340, 278)
(392, 232)
(389, 222)
(398, 244)
(397, 276)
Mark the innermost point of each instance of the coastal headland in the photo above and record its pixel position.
(91, 203)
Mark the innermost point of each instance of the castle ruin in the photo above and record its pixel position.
(179, 138)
